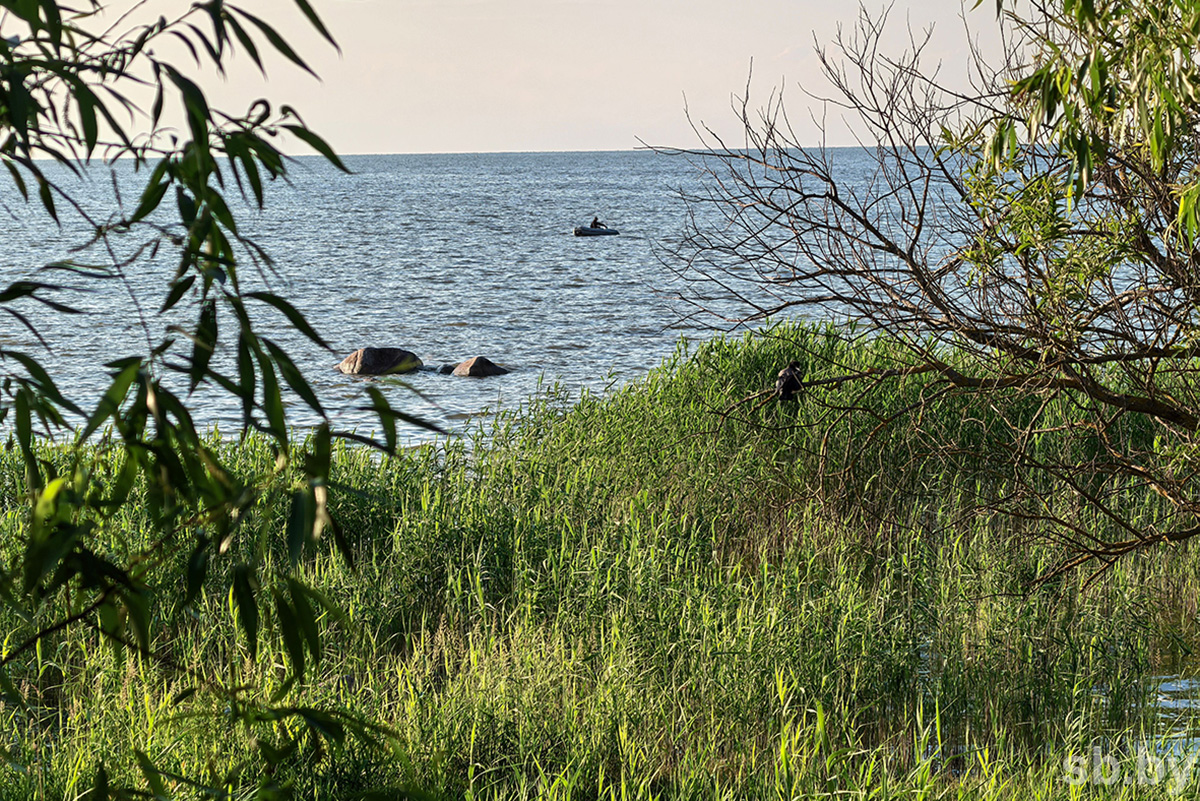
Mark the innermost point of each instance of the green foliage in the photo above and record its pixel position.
(1034, 236)
(638, 596)
(71, 85)
(1093, 218)
(1112, 78)
(1113, 86)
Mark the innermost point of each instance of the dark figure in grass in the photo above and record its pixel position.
(790, 382)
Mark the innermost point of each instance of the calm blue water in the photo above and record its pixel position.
(450, 256)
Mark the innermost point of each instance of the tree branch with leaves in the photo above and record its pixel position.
(68, 83)
(1031, 238)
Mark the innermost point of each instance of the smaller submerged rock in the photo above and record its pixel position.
(479, 367)
(447, 369)
(379, 361)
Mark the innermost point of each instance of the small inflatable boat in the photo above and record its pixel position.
(587, 230)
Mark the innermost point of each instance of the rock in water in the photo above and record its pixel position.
(479, 367)
(379, 361)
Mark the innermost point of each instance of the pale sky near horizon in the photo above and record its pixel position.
(530, 75)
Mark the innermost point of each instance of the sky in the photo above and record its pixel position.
(418, 76)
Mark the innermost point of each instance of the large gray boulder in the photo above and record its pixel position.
(479, 367)
(379, 361)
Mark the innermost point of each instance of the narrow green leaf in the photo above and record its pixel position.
(22, 110)
(246, 378)
(300, 523)
(387, 418)
(152, 775)
(28, 325)
(110, 627)
(152, 195)
(99, 790)
(157, 107)
(47, 197)
(250, 167)
(277, 41)
(324, 724)
(297, 319)
(18, 180)
(24, 426)
(247, 43)
(214, 51)
(272, 402)
(54, 23)
(123, 485)
(419, 422)
(318, 459)
(186, 205)
(178, 290)
(306, 618)
(283, 689)
(220, 210)
(197, 569)
(110, 404)
(343, 544)
(316, 22)
(182, 696)
(318, 144)
(293, 377)
(204, 343)
(187, 42)
(137, 610)
(45, 383)
(85, 104)
(196, 105)
(290, 630)
(243, 591)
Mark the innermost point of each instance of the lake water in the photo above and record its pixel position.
(450, 256)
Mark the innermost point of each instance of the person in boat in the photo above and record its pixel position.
(597, 224)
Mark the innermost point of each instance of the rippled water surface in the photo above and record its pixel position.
(450, 256)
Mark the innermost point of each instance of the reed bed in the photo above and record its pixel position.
(667, 592)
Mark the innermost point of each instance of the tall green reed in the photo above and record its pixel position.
(665, 592)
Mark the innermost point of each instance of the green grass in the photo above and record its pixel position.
(637, 596)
